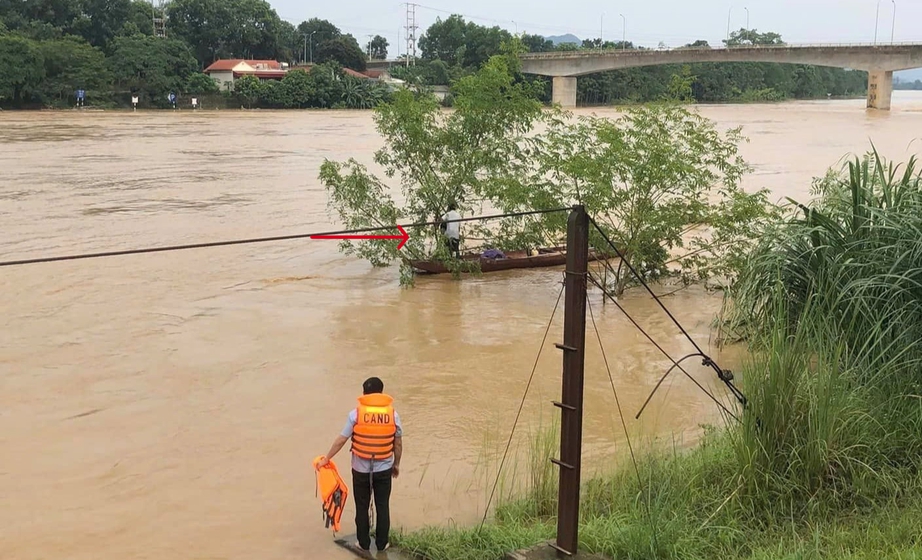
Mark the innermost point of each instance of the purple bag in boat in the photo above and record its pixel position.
(493, 254)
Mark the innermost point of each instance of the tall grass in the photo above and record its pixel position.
(828, 459)
(842, 283)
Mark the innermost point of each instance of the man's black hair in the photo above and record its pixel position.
(373, 385)
(452, 206)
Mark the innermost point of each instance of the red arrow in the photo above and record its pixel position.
(403, 237)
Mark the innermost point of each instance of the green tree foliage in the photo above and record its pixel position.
(438, 158)
(324, 86)
(226, 28)
(200, 84)
(56, 14)
(456, 41)
(101, 20)
(318, 30)
(72, 64)
(363, 94)
(140, 19)
(451, 49)
(445, 40)
(151, 66)
(344, 50)
(900, 85)
(751, 37)
(210, 29)
(663, 182)
(248, 89)
(537, 43)
(680, 86)
(329, 44)
(23, 68)
(97, 21)
(327, 79)
(434, 73)
(290, 43)
(299, 90)
(377, 48)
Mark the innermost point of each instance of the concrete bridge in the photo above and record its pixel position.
(880, 61)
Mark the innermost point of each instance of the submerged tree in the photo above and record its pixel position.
(664, 185)
(662, 182)
(439, 158)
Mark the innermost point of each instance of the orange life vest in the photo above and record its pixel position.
(333, 493)
(375, 427)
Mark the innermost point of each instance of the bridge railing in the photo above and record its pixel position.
(650, 51)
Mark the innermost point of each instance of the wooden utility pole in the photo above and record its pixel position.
(571, 403)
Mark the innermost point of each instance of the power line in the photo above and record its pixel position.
(468, 16)
(515, 422)
(253, 240)
(722, 374)
(608, 294)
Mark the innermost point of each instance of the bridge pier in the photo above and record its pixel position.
(563, 91)
(880, 89)
(878, 60)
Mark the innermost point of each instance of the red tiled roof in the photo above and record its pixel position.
(269, 64)
(354, 74)
(375, 73)
(224, 65)
(262, 74)
(227, 64)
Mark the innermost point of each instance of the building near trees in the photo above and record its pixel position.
(226, 71)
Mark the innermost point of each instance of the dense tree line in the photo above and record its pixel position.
(49, 49)
(322, 87)
(453, 47)
(914, 86)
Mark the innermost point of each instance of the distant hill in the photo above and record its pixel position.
(905, 76)
(561, 39)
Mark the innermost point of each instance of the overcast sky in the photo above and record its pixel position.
(674, 22)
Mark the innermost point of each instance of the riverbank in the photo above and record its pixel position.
(696, 513)
(825, 459)
(220, 103)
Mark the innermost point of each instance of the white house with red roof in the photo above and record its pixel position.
(226, 71)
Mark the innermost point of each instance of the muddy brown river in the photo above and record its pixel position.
(169, 405)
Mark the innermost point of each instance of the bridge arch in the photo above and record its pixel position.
(880, 61)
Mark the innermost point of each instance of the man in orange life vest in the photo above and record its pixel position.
(377, 445)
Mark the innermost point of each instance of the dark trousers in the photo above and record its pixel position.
(454, 247)
(363, 486)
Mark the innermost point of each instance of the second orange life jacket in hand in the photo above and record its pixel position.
(333, 493)
(375, 427)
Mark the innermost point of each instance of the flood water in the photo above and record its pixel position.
(169, 405)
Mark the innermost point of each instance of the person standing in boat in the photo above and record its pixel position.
(452, 230)
(377, 446)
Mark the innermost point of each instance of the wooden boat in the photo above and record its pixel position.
(543, 257)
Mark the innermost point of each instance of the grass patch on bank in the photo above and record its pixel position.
(827, 460)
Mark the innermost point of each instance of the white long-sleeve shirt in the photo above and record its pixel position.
(452, 229)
